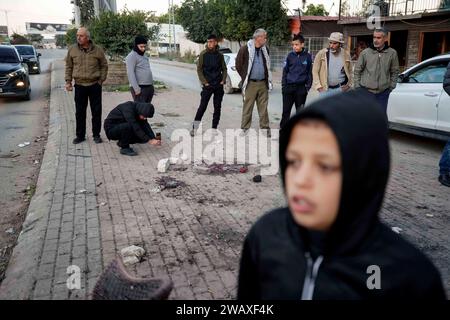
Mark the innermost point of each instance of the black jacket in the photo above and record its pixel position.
(447, 80)
(129, 112)
(274, 263)
(211, 67)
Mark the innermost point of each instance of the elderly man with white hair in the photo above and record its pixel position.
(253, 65)
(87, 65)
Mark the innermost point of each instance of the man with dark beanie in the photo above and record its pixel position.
(127, 123)
(139, 72)
(212, 73)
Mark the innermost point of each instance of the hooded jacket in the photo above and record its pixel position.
(283, 261)
(129, 112)
(211, 67)
(376, 70)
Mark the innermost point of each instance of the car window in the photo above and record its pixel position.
(227, 59)
(8, 55)
(25, 51)
(433, 73)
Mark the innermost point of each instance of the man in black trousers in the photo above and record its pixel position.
(127, 124)
(87, 65)
(212, 73)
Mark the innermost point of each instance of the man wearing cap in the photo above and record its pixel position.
(377, 69)
(139, 72)
(332, 67)
(127, 124)
(212, 73)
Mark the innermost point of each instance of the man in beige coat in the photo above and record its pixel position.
(332, 72)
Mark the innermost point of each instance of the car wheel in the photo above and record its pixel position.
(228, 87)
(27, 97)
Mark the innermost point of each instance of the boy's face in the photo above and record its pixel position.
(298, 46)
(313, 176)
(212, 43)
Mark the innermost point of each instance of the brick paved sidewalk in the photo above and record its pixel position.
(192, 234)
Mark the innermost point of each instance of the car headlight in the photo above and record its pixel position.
(16, 73)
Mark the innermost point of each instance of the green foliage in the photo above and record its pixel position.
(35, 38)
(60, 40)
(87, 12)
(71, 37)
(235, 20)
(19, 39)
(319, 10)
(164, 18)
(115, 32)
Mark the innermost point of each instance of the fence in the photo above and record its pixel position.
(278, 54)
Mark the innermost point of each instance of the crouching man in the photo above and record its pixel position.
(127, 124)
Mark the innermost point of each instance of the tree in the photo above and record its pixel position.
(87, 11)
(60, 40)
(71, 36)
(319, 10)
(35, 38)
(164, 18)
(19, 39)
(235, 20)
(115, 32)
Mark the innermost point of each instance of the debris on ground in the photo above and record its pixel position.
(9, 156)
(163, 165)
(170, 114)
(169, 183)
(158, 125)
(397, 230)
(23, 145)
(257, 179)
(82, 191)
(132, 255)
(103, 204)
(430, 215)
(219, 169)
(10, 231)
(178, 167)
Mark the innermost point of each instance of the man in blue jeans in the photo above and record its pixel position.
(444, 164)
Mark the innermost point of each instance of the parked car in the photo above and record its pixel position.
(31, 57)
(419, 104)
(233, 79)
(14, 77)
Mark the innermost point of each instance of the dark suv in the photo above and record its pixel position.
(30, 57)
(14, 78)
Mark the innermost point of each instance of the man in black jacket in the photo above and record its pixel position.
(444, 164)
(128, 124)
(212, 73)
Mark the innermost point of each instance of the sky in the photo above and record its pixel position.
(60, 11)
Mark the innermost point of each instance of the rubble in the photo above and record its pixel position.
(132, 255)
(397, 230)
(169, 183)
(163, 165)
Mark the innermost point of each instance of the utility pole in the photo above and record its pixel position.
(7, 21)
(170, 29)
(174, 28)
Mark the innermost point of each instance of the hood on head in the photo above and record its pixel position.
(361, 129)
(145, 109)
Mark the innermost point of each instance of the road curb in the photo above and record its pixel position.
(21, 273)
(175, 64)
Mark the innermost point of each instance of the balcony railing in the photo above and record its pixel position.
(390, 8)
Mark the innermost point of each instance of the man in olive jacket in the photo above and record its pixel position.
(377, 69)
(87, 65)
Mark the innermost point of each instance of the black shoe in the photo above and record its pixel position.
(98, 139)
(444, 179)
(128, 152)
(78, 140)
(119, 145)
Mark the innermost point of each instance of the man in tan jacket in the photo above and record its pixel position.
(332, 71)
(87, 65)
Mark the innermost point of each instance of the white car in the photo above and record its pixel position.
(233, 78)
(419, 104)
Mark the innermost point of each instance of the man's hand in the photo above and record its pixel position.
(345, 88)
(207, 84)
(137, 93)
(222, 83)
(155, 142)
(321, 89)
(69, 86)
